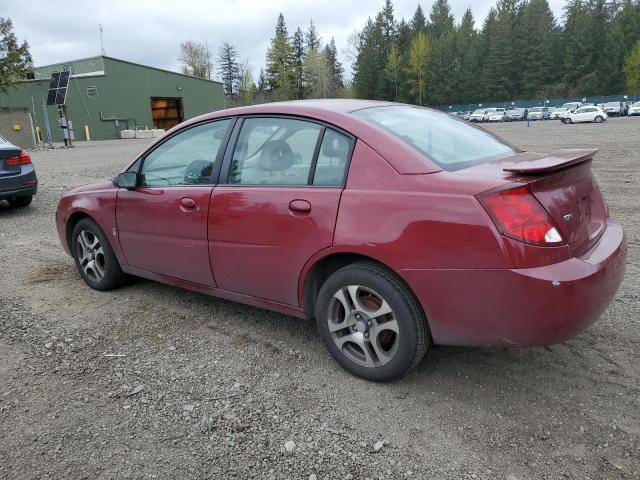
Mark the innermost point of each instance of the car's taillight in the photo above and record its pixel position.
(517, 214)
(22, 159)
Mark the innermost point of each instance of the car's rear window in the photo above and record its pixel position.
(450, 143)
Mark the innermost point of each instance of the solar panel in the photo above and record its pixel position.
(61, 94)
(51, 96)
(58, 84)
(64, 79)
(55, 78)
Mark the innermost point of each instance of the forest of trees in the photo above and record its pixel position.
(296, 66)
(520, 51)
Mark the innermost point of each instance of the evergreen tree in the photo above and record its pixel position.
(280, 69)
(442, 64)
(467, 48)
(297, 44)
(229, 69)
(263, 83)
(419, 21)
(539, 34)
(496, 69)
(574, 37)
(619, 41)
(441, 20)
(15, 59)
(335, 67)
(366, 70)
(311, 38)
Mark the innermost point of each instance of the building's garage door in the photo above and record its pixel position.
(166, 112)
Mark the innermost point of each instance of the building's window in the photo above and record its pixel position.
(92, 91)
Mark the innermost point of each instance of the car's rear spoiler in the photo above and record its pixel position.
(531, 163)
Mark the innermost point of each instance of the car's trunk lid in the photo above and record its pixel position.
(564, 185)
(5, 153)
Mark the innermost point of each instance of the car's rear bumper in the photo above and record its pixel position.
(533, 306)
(21, 185)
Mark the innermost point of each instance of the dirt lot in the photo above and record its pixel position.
(206, 388)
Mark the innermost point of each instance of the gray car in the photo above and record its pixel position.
(18, 182)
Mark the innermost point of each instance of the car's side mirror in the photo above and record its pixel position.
(128, 180)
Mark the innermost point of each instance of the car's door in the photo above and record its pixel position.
(277, 204)
(162, 224)
(579, 115)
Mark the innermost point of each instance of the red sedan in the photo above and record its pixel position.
(395, 227)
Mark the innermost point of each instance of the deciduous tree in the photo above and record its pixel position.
(196, 59)
(417, 68)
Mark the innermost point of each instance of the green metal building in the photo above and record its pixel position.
(109, 95)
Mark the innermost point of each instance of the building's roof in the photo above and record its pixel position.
(95, 65)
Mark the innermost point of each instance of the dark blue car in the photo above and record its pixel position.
(18, 182)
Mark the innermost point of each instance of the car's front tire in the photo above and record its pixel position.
(19, 202)
(94, 257)
(371, 322)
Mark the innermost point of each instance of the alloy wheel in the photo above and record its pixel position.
(91, 255)
(363, 326)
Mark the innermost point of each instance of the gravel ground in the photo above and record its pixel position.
(151, 381)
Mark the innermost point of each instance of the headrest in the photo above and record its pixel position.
(276, 155)
(336, 147)
(198, 172)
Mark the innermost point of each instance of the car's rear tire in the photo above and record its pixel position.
(371, 322)
(94, 257)
(598, 119)
(19, 202)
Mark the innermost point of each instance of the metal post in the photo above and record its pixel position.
(45, 116)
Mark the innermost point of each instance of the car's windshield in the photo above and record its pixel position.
(3, 140)
(536, 109)
(636, 104)
(478, 112)
(612, 104)
(450, 143)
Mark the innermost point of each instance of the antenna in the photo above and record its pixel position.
(102, 52)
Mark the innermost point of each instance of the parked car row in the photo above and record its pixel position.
(484, 115)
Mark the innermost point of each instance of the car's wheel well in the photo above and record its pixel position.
(71, 224)
(323, 270)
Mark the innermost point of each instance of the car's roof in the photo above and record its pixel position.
(402, 157)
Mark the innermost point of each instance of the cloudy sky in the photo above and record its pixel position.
(150, 32)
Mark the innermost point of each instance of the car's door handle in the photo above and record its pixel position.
(187, 202)
(300, 206)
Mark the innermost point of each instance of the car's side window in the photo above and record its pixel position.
(187, 158)
(333, 157)
(274, 151)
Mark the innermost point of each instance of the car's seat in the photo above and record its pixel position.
(275, 156)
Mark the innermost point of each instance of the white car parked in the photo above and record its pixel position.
(499, 115)
(585, 114)
(479, 115)
(614, 108)
(634, 109)
(558, 113)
